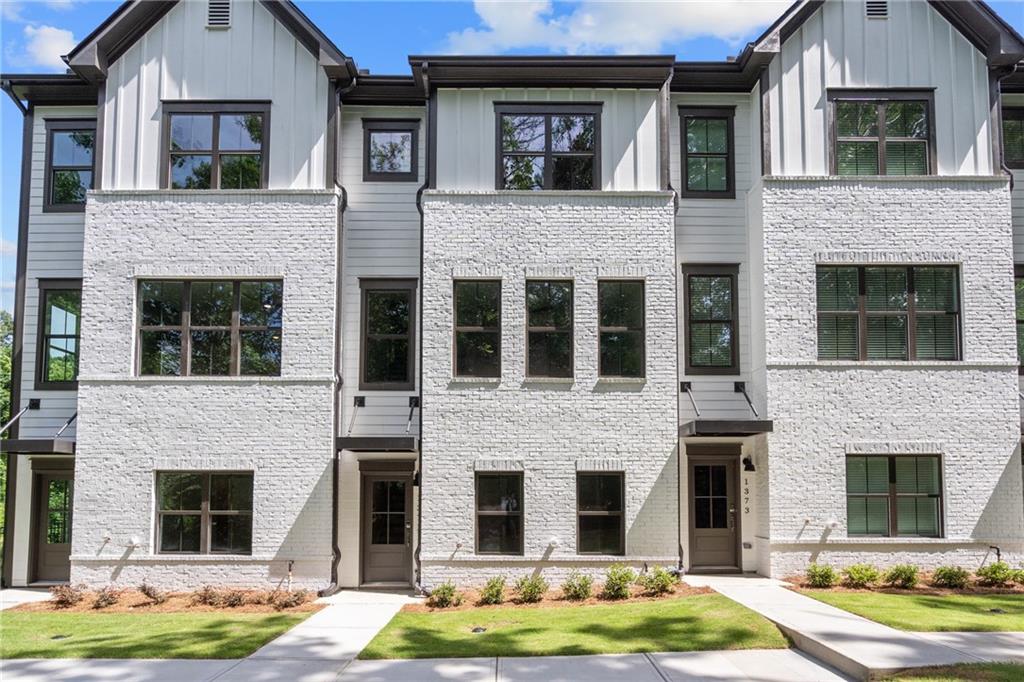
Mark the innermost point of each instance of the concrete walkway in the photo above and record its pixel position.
(14, 596)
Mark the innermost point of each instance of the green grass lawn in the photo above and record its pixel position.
(930, 612)
(692, 623)
(31, 634)
(980, 672)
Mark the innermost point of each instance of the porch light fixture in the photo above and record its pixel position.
(748, 464)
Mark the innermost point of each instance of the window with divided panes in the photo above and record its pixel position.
(548, 146)
(893, 495)
(477, 328)
(882, 134)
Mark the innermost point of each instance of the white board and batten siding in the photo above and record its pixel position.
(466, 131)
(180, 58)
(839, 47)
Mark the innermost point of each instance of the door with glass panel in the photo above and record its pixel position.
(53, 527)
(714, 522)
(387, 528)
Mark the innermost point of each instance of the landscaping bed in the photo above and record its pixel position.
(976, 672)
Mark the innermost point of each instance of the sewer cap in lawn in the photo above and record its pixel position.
(477, 630)
(60, 636)
(996, 611)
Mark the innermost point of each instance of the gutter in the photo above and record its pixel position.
(6, 86)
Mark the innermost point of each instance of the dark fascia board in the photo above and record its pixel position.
(725, 427)
(377, 443)
(37, 446)
(50, 89)
(393, 90)
(335, 63)
(635, 71)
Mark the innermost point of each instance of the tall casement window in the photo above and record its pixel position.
(712, 318)
(554, 146)
(390, 149)
(60, 327)
(204, 512)
(882, 132)
(709, 164)
(389, 347)
(888, 313)
(1013, 136)
(1018, 286)
(549, 328)
(620, 314)
(210, 328)
(69, 164)
(478, 328)
(893, 495)
(499, 513)
(600, 522)
(215, 145)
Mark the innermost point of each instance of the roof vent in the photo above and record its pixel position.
(218, 13)
(876, 9)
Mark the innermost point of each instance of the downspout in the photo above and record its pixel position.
(996, 76)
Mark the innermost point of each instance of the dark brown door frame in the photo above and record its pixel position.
(400, 470)
(40, 469)
(730, 454)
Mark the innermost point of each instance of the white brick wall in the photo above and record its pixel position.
(547, 428)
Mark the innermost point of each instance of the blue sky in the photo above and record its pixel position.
(35, 33)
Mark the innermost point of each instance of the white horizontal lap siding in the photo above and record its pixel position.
(838, 47)
(466, 134)
(257, 58)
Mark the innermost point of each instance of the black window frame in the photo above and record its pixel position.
(216, 109)
(880, 98)
(1011, 113)
(46, 286)
(892, 496)
(477, 513)
(621, 513)
(367, 285)
(862, 313)
(55, 125)
(1018, 275)
(642, 330)
(547, 110)
(185, 328)
(718, 112)
(730, 271)
(571, 330)
(204, 512)
(391, 125)
(466, 329)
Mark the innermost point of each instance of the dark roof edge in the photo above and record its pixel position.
(50, 88)
(629, 71)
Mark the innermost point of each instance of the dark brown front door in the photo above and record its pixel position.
(53, 526)
(387, 528)
(714, 529)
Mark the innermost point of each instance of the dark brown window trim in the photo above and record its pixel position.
(723, 112)
(571, 330)
(1011, 113)
(170, 107)
(621, 513)
(477, 513)
(205, 514)
(389, 125)
(1018, 273)
(63, 124)
(881, 96)
(367, 284)
(893, 498)
(718, 270)
(456, 329)
(547, 109)
(642, 330)
(41, 384)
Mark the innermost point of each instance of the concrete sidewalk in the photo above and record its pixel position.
(15, 596)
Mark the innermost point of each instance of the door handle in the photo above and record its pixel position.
(408, 534)
(732, 518)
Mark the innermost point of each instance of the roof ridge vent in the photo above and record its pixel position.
(876, 9)
(218, 13)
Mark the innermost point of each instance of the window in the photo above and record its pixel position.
(478, 328)
(58, 511)
(1018, 284)
(882, 133)
(390, 149)
(60, 327)
(69, 164)
(600, 526)
(712, 316)
(893, 495)
(548, 146)
(210, 328)
(204, 513)
(708, 156)
(389, 347)
(620, 313)
(1013, 136)
(888, 313)
(215, 145)
(499, 513)
(549, 329)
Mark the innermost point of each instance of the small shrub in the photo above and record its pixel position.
(234, 599)
(289, 600)
(108, 596)
(444, 596)
(658, 581)
(617, 582)
(530, 589)
(821, 575)
(66, 596)
(493, 592)
(577, 586)
(952, 577)
(996, 574)
(207, 596)
(860, 575)
(153, 594)
(901, 575)
(1018, 576)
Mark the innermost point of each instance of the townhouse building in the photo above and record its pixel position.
(281, 319)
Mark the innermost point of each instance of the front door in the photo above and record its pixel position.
(714, 528)
(387, 528)
(53, 527)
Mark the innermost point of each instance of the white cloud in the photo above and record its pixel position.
(595, 26)
(11, 11)
(60, 4)
(44, 45)
(7, 247)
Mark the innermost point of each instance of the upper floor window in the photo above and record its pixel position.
(478, 328)
(390, 149)
(548, 146)
(882, 133)
(1013, 136)
(389, 345)
(60, 327)
(210, 327)
(1018, 286)
(620, 314)
(549, 329)
(708, 152)
(888, 313)
(215, 145)
(712, 316)
(69, 164)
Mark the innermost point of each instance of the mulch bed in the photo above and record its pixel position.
(554, 598)
(923, 587)
(133, 601)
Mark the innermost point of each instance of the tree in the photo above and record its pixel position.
(6, 341)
